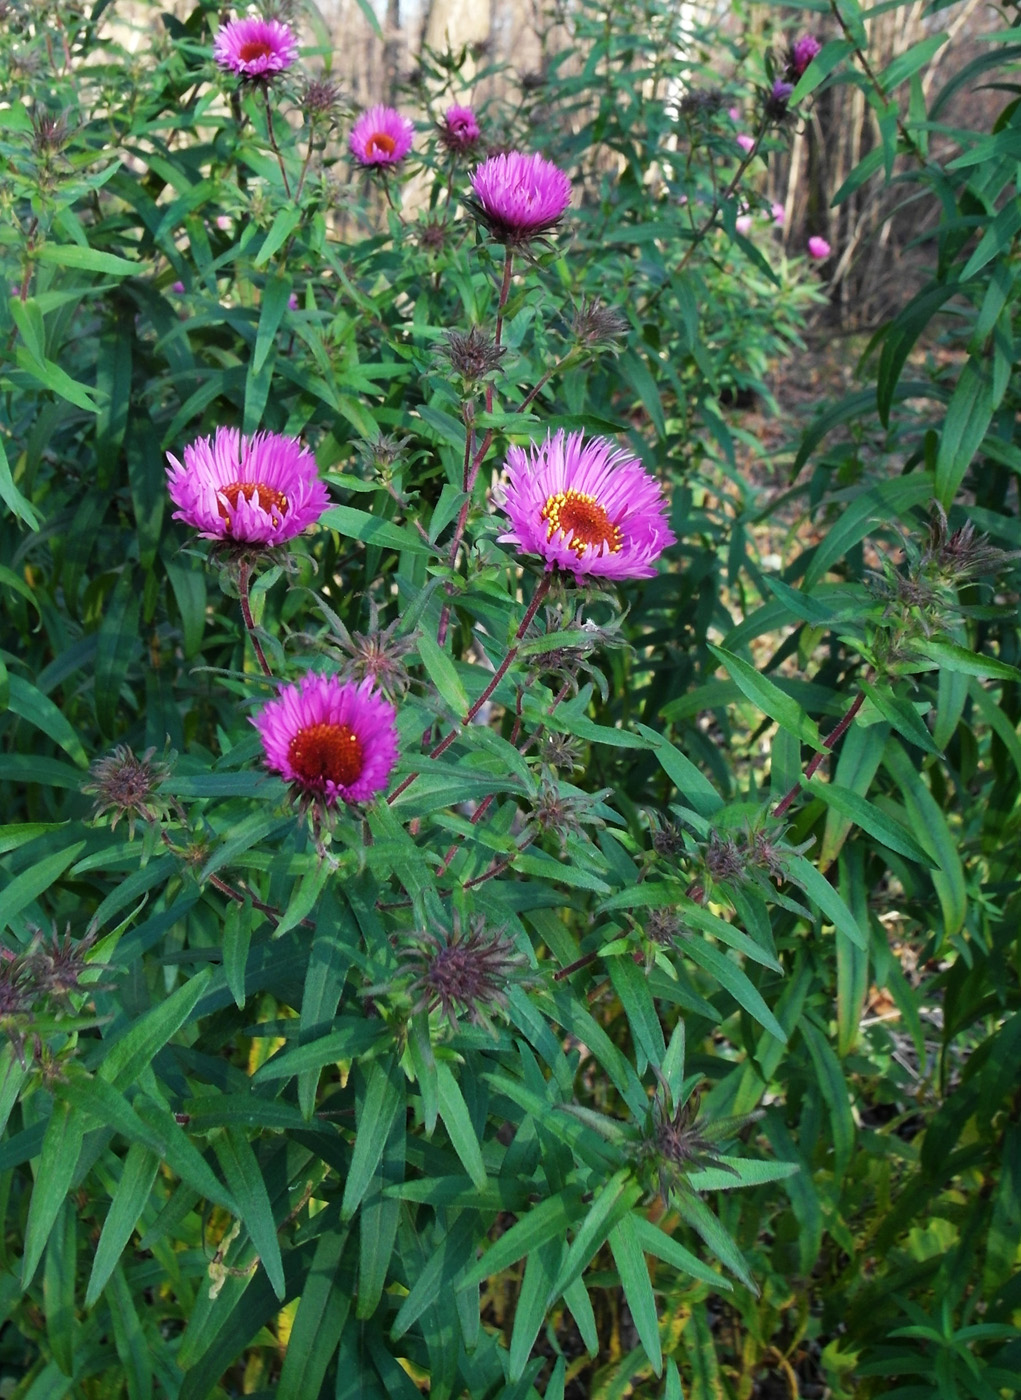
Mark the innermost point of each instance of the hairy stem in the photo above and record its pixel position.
(828, 743)
(246, 613)
(542, 588)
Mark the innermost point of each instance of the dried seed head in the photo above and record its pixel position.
(473, 356)
(962, 554)
(56, 965)
(723, 858)
(464, 974)
(561, 751)
(432, 235)
(663, 926)
(128, 787)
(321, 101)
(667, 839)
(701, 102)
(50, 133)
(380, 656)
(598, 327)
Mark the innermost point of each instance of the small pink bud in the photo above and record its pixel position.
(177, 287)
(734, 113)
(292, 302)
(744, 225)
(746, 142)
(818, 248)
(779, 216)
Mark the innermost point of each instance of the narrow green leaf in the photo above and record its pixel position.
(969, 414)
(610, 1205)
(549, 1219)
(61, 1146)
(770, 699)
(237, 939)
(821, 893)
(319, 1321)
(376, 1110)
(736, 982)
(370, 529)
(964, 662)
(634, 1278)
(441, 672)
(12, 498)
(833, 1087)
(530, 1312)
(660, 1245)
(129, 1200)
(31, 883)
(248, 1188)
(127, 1057)
(869, 818)
(129, 1338)
(286, 221)
(632, 987)
(91, 259)
(457, 1121)
(275, 296)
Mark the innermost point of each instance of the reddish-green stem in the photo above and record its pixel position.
(828, 743)
(246, 613)
(273, 142)
(541, 590)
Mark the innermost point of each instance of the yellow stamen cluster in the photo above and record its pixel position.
(581, 516)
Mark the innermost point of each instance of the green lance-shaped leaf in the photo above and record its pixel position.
(770, 699)
(627, 1253)
(129, 1200)
(127, 1057)
(241, 1169)
(319, 1321)
(457, 1121)
(376, 1109)
(540, 1270)
(61, 1146)
(833, 1088)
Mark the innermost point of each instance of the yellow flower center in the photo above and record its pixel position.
(258, 48)
(379, 141)
(331, 752)
(272, 501)
(581, 516)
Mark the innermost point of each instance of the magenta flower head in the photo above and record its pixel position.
(333, 740)
(818, 248)
(459, 129)
(778, 214)
(260, 490)
(381, 136)
(802, 53)
(519, 197)
(255, 48)
(585, 507)
(746, 142)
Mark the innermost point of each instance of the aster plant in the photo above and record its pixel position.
(381, 138)
(255, 48)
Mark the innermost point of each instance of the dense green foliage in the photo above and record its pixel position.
(724, 1091)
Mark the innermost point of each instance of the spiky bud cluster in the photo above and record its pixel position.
(128, 786)
(598, 327)
(464, 974)
(473, 356)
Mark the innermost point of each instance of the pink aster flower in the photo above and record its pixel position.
(261, 489)
(381, 136)
(802, 53)
(459, 130)
(585, 507)
(519, 197)
(333, 739)
(778, 214)
(746, 142)
(818, 248)
(734, 113)
(255, 48)
(743, 224)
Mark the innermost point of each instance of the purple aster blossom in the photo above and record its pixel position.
(519, 197)
(333, 740)
(746, 142)
(818, 248)
(778, 214)
(255, 48)
(585, 507)
(459, 129)
(802, 53)
(260, 490)
(381, 136)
